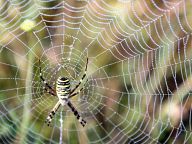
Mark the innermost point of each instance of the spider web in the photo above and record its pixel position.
(138, 83)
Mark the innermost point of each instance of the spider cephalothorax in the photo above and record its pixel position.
(64, 92)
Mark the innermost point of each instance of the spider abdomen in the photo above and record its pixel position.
(63, 88)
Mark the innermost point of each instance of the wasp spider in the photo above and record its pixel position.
(64, 93)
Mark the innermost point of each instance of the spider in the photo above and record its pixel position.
(64, 93)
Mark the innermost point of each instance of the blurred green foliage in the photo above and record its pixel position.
(139, 72)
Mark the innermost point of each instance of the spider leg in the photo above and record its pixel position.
(44, 81)
(76, 113)
(74, 94)
(81, 78)
(73, 109)
(52, 113)
(50, 92)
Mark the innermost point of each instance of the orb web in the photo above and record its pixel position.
(138, 83)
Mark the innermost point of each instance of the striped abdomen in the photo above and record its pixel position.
(63, 91)
(63, 88)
